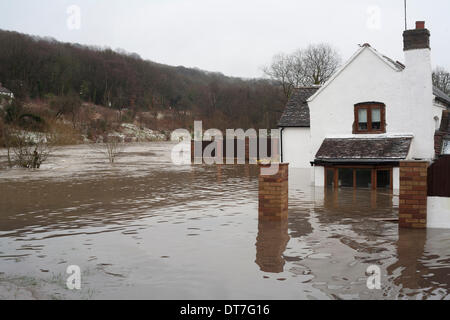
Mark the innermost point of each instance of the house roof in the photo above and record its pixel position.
(4, 90)
(441, 95)
(357, 149)
(395, 65)
(296, 113)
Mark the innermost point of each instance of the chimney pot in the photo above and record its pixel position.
(420, 24)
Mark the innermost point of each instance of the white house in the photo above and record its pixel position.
(372, 113)
(5, 92)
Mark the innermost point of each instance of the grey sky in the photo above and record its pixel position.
(235, 37)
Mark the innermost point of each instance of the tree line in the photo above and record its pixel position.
(42, 68)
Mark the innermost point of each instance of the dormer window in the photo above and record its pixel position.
(369, 118)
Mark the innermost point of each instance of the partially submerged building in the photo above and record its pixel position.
(373, 113)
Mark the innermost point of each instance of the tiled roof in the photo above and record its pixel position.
(440, 95)
(364, 149)
(296, 113)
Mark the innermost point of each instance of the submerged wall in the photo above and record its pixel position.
(438, 216)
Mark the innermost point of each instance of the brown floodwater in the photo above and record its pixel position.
(147, 229)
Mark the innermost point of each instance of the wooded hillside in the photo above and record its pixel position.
(41, 68)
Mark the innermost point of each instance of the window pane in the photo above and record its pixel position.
(446, 147)
(376, 118)
(362, 119)
(383, 179)
(364, 178)
(346, 178)
(330, 177)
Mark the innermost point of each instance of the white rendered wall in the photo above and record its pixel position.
(438, 213)
(437, 112)
(396, 178)
(418, 99)
(319, 176)
(407, 95)
(297, 147)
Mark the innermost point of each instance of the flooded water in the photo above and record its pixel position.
(147, 229)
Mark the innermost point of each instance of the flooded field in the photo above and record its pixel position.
(147, 229)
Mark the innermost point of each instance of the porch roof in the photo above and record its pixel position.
(361, 150)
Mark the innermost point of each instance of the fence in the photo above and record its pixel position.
(239, 143)
(439, 178)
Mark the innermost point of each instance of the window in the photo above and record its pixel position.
(369, 177)
(369, 118)
(345, 177)
(446, 147)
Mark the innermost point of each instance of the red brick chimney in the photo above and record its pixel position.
(420, 24)
(418, 38)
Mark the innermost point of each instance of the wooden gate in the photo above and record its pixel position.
(439, 178)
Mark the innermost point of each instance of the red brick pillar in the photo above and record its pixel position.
(413, 194)
(273, 194)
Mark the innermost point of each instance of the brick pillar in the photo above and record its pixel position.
(413, 194)
(273, 194)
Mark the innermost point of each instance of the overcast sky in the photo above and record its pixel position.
(235, 37)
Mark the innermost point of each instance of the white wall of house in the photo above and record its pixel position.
(407, 94)
(437, 114)
(396, 178)
(417, 97)
(319, 176)
(297, 147)
(438, 212)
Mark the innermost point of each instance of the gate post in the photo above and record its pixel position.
(413, 194)
(273, 193)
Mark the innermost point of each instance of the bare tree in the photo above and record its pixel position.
(320, 62)
(311, 66)
(68, 106)
(441, 79)
(281, 70)
(30, 150)
(7, 141)
(111, 147)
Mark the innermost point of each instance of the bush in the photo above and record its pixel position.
(30, 150)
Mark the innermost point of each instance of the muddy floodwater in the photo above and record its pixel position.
(147, 229)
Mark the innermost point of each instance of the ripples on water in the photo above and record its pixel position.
(147, 229)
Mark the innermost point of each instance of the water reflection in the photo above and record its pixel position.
(410, 250)
(422, 266)
(271, 243)
(147, 229)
